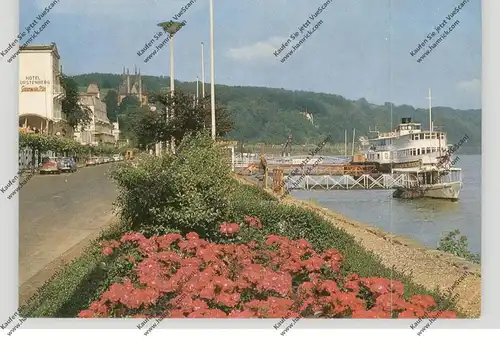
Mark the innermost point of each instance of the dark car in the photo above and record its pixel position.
(66, 164)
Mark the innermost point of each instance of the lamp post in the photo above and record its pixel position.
(212, 74)
(197, 88)
(171, 27)
(202, 70)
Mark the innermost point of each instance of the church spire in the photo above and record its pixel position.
(128, 81)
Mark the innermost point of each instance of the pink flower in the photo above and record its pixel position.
(253, 222)
(229, 228)
(107, 251)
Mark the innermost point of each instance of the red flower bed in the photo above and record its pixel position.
(174, 276)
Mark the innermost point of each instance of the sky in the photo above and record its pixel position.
(360, 49)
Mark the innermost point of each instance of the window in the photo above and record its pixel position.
(422, 136)
(415, 137)
(418, 151)
(427, 136)
(428, 150)
(378, 156)
(433, 136)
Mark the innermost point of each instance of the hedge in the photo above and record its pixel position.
(44, 143)
(78, 283)
(189, 191)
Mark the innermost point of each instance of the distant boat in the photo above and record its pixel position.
(407, 146)
(420, 156)
(429, 182)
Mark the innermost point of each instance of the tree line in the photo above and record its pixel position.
(270, 115)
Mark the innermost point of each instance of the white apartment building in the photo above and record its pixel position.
(100, 129)
(40, 90)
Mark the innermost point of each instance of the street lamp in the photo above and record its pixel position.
(197, 88)
(202, 70)
(212, 74)
(171, 27)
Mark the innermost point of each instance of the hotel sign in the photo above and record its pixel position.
(34, 84)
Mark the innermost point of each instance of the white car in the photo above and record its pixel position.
(116, 158)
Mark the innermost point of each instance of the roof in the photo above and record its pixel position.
(93, 88)
(40, 47)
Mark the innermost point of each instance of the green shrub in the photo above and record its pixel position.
(454, 243)
(78, 283)
(189, 191)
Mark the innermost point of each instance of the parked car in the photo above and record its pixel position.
(91, 161)
(67, 164)
(49, 165)
(117, 157)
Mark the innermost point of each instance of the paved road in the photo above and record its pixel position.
(56, 212)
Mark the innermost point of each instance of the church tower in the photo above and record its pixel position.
(132, 86)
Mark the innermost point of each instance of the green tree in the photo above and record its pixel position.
(178, 116)
(106, 84)
(127, 104)
(76, 113)
(457, 244)
(111, 100)
(265, 114)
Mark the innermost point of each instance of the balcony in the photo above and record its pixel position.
(58, 92)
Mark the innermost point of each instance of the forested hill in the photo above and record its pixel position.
(269, 114)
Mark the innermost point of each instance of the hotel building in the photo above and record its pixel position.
(100, 129)
(40, 90)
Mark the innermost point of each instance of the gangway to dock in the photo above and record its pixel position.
(308, 173)
(346, 182)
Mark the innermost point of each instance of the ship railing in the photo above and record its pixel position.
(387, 135)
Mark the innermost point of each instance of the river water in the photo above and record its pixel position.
(424, 220)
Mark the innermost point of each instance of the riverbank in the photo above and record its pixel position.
(427, 267)
(197, 206)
